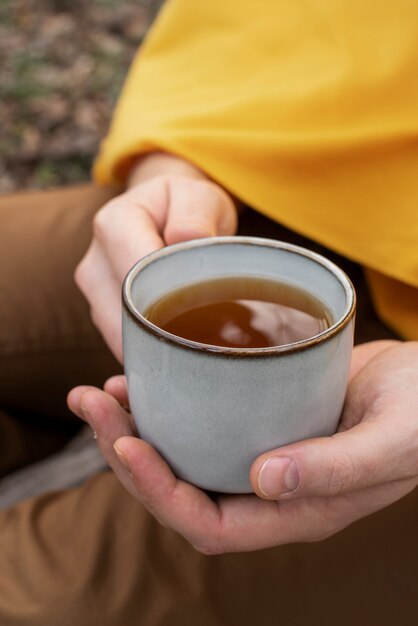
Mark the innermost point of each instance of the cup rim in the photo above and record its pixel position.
(288, 348)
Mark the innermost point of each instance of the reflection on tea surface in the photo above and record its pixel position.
(240, 312)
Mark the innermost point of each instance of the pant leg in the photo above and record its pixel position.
(47, 341)
(92, 555)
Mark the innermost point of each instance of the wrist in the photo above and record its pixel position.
(157, 163)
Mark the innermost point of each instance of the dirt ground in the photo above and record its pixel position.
(62, 64)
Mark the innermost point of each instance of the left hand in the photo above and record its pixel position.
(306, 491)
(169, 200)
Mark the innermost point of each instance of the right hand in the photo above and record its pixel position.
(371, 462)
(165, 209)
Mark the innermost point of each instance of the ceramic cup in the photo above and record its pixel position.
(210, 411)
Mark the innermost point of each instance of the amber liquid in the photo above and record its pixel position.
(240, 312)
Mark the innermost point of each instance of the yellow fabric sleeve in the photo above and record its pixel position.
(307, 111)
(396, 304)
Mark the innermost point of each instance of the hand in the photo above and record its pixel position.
(159, 209)
(332, 481)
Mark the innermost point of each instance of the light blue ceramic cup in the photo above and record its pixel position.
(210, 411)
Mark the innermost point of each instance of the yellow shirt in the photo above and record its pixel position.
(307, 111)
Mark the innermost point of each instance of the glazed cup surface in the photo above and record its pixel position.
(210, 411)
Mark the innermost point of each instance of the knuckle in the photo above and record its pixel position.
(342, 474)
(212, 543)
(217, 196)
(103, 219)
(208, 548)
(79, 274)
(320, 535)
(327, 530)
(99, 224)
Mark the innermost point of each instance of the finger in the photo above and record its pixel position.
(109, 422)
(74, 398)
(177, 504)
(127, 231)
(348, 461)
(94, 277)
(117, 387)
(74, 401)
(198, 209)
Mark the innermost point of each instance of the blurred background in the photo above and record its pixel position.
(62, 64)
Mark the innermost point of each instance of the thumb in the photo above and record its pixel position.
(198, 209)
(328, 466)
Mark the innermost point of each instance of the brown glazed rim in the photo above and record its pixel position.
(289, 348)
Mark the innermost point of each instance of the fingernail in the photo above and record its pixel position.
(278, 475)
(122, 458)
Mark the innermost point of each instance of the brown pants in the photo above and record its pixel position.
(92, 555)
